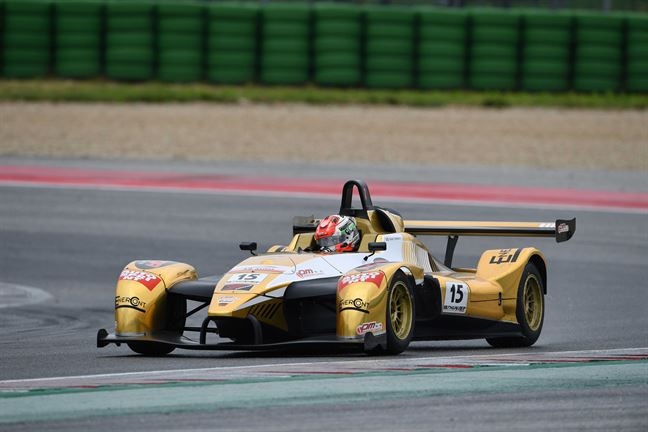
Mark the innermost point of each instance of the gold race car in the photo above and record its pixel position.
(378, 298)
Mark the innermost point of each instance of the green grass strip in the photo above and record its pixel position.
(105, 91)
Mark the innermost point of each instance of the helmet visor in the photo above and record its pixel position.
(330, 241)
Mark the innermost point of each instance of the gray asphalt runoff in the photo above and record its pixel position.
(72, 243)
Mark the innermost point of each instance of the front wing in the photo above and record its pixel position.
(173, 339)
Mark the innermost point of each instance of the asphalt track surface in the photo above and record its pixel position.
(63, 245)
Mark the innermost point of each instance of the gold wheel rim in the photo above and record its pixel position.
(533, 303)
(400, 310)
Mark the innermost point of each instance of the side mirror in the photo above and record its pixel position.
(248, 246)
(377, 246)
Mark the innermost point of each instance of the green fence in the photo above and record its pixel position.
(325, 44)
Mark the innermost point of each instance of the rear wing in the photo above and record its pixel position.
(562, 230)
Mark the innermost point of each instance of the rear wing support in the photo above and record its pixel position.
(450, 248)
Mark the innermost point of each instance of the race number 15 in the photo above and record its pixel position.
(456, 298)
(251, 278)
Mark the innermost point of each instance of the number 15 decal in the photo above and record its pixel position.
(456, 298)
(250, 278)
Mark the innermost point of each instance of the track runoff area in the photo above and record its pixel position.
(316, 383)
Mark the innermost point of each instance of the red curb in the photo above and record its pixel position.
(50, 176)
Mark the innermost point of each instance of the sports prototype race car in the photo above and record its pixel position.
(378, 298)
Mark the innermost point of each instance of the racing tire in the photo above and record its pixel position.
(399, 317)
(151, 349)
(175, 322)
(529, 311)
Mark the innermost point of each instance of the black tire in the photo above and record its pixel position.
(175, 322)
(529, 311)
(151, 349)
(399, 317)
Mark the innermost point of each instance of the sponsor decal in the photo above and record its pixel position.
(237, 287)
(225, 300)
(356, 304)
(376, 263)
(247, 278)
(373, 327)
(130, 302)
(375, 277)
(149, 280)
(505, 256)
(392, 237)
(260, 269)
(152, 264)
(308, 272)
(563, 228)
(456, 298)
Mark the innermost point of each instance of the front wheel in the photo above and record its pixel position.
(150, 349)
(529, 311)
(174, 321)
(399, 316)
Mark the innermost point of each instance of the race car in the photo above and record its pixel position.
(378, 298)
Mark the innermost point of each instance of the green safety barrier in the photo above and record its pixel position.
(180, 28)
(285, 44)
(130, 40)
(77, 37)
(442, 42)
(389, 52)
(26, 38)
(337, 31)
(494, 42)
(327, 44)
(232, 41)
(598, 52)
(545, 56)
(637, 54)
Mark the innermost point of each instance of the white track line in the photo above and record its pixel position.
(401, 362)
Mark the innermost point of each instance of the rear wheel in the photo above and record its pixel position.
(529, 311)
(399, 316)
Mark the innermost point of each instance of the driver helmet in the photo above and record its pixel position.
(337, 233)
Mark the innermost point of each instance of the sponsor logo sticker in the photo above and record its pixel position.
(225, 300)
(308, 272)
(130, 302)
(505, 256)
(149, 280)
(237, 287)
(356, 304)
(563, 228)
(375, 277)
(376, 263)
(260, 269)
(373, 327)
